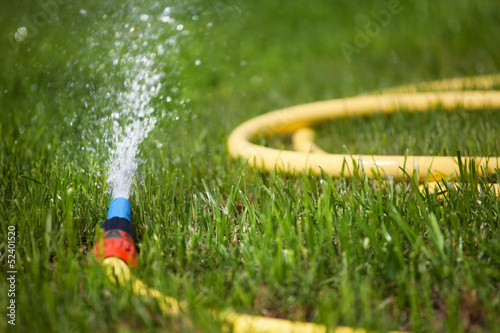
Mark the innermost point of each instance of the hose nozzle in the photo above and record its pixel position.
(118, 238)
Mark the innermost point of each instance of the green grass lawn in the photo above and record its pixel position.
(212, 231)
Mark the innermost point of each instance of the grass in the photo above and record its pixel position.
(214, 232)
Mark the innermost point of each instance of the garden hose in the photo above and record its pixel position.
(118, 241)
(310, 158)
(119, 273)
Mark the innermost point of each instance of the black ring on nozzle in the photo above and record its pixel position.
(121, 224)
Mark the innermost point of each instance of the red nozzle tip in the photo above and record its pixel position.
(117, 243)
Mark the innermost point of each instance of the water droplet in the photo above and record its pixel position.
(21, 34)
(165, 16)
(144, 17)
(180, 27)
(83, 12)
(197, 62)
(167, 19)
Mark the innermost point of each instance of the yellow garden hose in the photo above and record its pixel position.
(119, 272)
(309, 158)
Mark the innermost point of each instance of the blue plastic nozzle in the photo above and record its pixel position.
(119, 207)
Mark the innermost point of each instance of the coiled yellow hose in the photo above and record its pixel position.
(309, 157)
